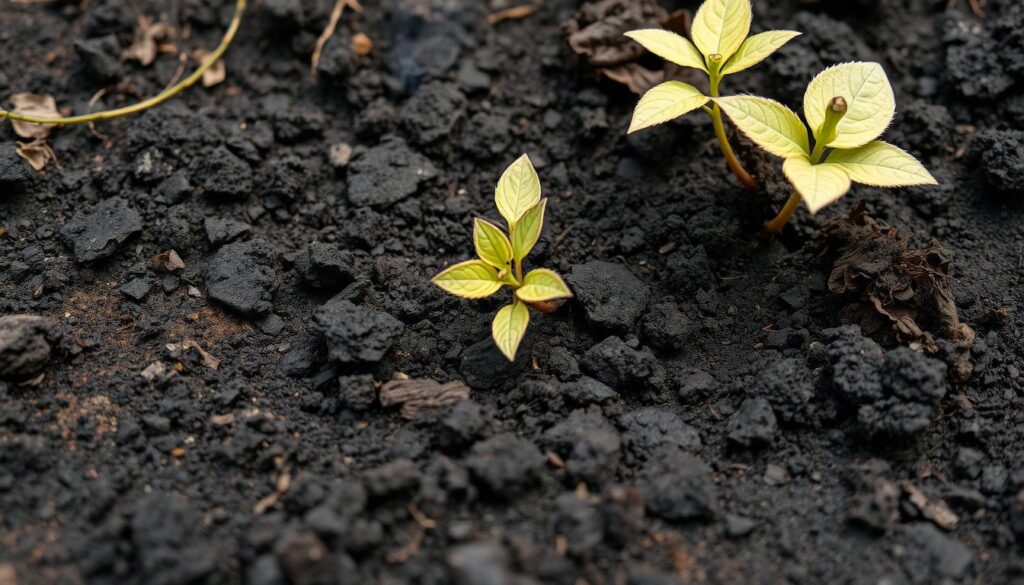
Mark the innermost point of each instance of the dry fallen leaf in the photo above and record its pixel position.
(146, 45)
(32, 104)
(38, 153)
(215, 74)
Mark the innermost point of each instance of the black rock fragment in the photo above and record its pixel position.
(505, 464)
(355, 334)
(242, 276)
(677, 486)
(226, 175)
(613, 297)
(221, 231)
(753, 424)
(101, 57)
(26, 344)
(15, 173)
(96, 232)
(647, 430)
(434, 111)
(625, 369)
(387, 174)
(589, 445)
(326, 266)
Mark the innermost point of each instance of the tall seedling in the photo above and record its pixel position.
(720, 47)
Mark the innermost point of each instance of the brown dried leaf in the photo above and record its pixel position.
(38, 153)
(421, 396)
(32, 104)
(146, 45)
(215, 74)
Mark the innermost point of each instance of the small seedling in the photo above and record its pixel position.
(847, 107)
(501, 256)
(720, 47)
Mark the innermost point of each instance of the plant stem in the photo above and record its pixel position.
(723, 140)
(776, 224)
(156, 100)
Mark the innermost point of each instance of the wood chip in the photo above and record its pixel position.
(168, 261)
(208, 359)
(933, 509)
(421, 397)
(513, 13)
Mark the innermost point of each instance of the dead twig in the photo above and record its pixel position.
(339, 9)
(514, 13)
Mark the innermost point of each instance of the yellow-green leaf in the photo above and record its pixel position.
(756, 49)
(881, 164)
(720, 26)
(527, 230)
(820, 184)
(543, 285)
(518, 190)
(773, 126)
(665, 102)
(669, 46)
(509, 328)
(870, 104)
(492, 245)
(473, 279)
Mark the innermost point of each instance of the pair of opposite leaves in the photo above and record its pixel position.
(721, 46)
(500, 257)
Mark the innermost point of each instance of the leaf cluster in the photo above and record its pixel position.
(847, 108)
(721, 46)
(500, 255)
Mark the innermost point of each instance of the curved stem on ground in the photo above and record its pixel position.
(156, 100)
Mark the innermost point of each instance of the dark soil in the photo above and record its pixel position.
(710, 409)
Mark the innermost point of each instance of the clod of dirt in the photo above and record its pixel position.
(26, 345)
(434, 111)
(975, 61)
(242, 276)
(307, 560)
(483, 366)
(136, 289)
(589, 445)
(618, 365)
(222, 231)
(480, 563)
(96, 232)
(392, 478)
(649, 429)
(666, 327)
(166, 535)
(15, 173)
(355, 334)
(788, 387)
(753, 424)
(677, 486)
(579, 521)
(586, 391)
(326, 266)
(613, 297)
(931, 556)
(596, 31)
(386, 173)
(907, 289)
(421, 398)
(464, 424)
(895, 393)
(101, 57)
(505, 464)
(999, 158)
(298, 123)
(226, 175)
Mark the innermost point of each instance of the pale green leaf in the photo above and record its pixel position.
(527, 230)
(818, 185)
(518, 190)
(669, 46)
(543, 285)
(473, 279)
(720, 26)
(665, 102)
(492, 245)
(756, 49)
(870, 104)
(771, 125)
(509, 328)
(882, 165)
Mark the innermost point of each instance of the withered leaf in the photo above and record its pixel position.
(146, 45)
(215, 74)
(421, 396)
(38, 153)
(32, 104)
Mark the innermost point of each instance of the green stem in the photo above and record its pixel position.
(160, 98)
(776, 224)
(723, 140)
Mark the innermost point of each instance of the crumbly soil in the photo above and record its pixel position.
(708, 410)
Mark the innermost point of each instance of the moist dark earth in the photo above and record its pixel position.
(837, 404)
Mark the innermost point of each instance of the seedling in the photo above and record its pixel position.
(847, 107)
(720, 47)
(501, 256)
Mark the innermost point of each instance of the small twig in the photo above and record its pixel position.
(339, 9)
(162, 97)
(514, 12)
